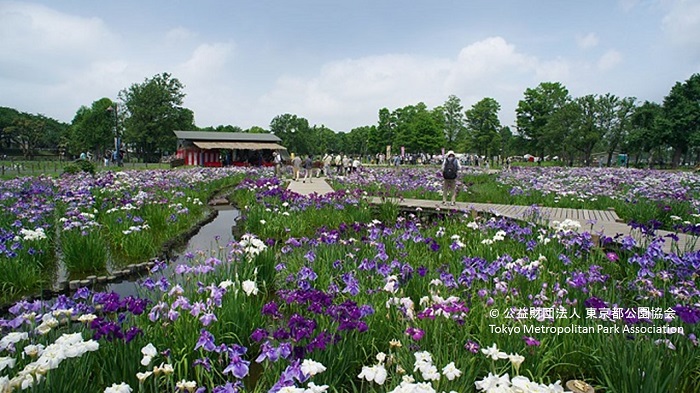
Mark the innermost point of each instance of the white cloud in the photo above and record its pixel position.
(349, 93)
(349, 89)
(54, 62)
(179, 34)
(206, 62)
(587, 41)
(628, 5)
(32, 34)
(682, 24)
(609, 60)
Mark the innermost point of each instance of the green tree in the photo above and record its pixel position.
(561, 131)
(153, 111)
(357, 140)
(680, 120)
(93, 128)
(8, 116)
(506, 139)
(483, 127)
(323, 140)
(418, 129)
(535, 110)
(222, 128)
(643, 135)
(386, 130)
(295, 133)
(592, 124)
(257, 130)
(620, 126)
(27, 132)
(454, 121)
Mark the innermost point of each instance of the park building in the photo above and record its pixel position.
(217, 149)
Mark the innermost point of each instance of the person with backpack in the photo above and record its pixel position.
(308, 168)
(450, 169)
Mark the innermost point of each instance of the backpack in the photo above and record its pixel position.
(450, 171)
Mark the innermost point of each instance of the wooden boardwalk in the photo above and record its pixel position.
(602, 222)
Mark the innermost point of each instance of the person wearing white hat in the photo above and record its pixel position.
(450, 169)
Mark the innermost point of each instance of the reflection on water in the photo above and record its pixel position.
(204, 239)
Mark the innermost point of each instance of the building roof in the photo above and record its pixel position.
(226, 136)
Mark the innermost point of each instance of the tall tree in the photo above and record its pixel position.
(294, 132)
(483, 127)
(680, 118)
(27, 132)
(620, 126)
(591, 125)
(386, 130)
(153, 111)
(257, 130)
(561, 131)
(93, 128)
(8, 116)
(535, 110)
(323, 140)
(418, 129)
(506, 139)
(222, 128)
(453, 120)
(357, 140)
(643, 135)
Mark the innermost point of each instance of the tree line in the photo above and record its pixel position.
(549, 122)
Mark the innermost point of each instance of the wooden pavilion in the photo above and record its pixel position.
(215, 149)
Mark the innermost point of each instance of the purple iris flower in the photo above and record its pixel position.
(271, 309)
(415, 333)
(688, 314)
(173, 315)
(204, 362)
(352, 285)
(82, 293)
(238, 367)
(198, 308)
(156, 311)
(131, 333)
(149, 284)
(206, 341)
(594, 302)
(259, 335)
(235, 387)
(472, 346)
(208, 318)
(135, 306)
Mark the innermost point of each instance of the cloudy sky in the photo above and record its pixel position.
(337, 63)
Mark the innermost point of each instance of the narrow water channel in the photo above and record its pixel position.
(218, 231)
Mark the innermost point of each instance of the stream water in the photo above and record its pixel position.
(220, 227)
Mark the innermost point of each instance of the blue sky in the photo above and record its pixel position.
(337, 63)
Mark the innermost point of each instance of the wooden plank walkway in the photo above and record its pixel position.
(605, 222)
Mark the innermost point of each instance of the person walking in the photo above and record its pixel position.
(450, 169)
(327, 159)
(296, 166)
(277, 160)
(308, 168)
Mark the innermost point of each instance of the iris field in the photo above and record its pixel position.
(327, 293)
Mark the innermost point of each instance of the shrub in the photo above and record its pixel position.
(78, 166)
